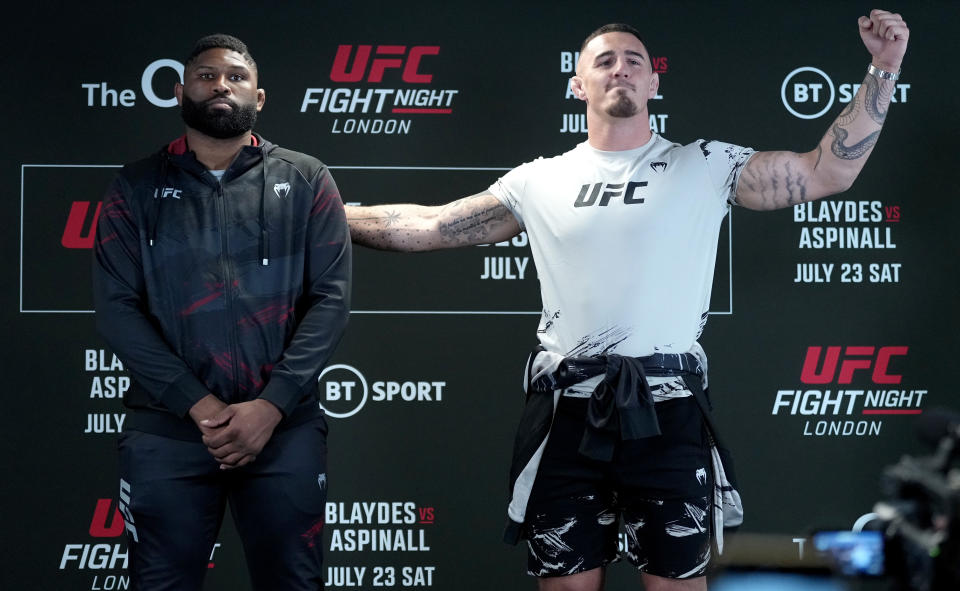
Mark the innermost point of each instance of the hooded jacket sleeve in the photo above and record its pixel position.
(122, 316)
(325, 305)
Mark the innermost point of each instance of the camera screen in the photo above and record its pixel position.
(775, 581)
(852, 553)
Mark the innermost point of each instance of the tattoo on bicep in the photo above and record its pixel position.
(819, 155)
(857, 150)
(775, 179)
(794, 184)
(467, 223)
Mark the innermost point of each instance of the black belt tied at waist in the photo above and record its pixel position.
(621, 406)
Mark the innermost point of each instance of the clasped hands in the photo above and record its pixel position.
(235, 433)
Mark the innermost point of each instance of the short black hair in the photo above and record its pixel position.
(613, 28)
(221, 41)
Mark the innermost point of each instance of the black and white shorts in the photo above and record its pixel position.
(661, 486)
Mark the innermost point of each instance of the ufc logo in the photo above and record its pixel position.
(98, 525)
(124, 507)
(854, 359)
(606, 191)
(408, 62)
(75, 233)
(167, 192)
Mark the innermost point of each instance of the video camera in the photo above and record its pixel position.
(911, 540)
(919, 516)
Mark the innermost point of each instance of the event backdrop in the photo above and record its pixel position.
(832, 327)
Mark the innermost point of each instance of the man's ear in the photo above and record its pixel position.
(576, 85)
(178, 92)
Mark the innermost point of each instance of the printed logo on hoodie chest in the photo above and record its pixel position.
(168, 193)
(281, 189)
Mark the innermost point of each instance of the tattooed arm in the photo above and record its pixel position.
(772, 180)
(477, 219)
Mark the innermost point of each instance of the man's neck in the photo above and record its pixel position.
(214, 153)
(613, 134)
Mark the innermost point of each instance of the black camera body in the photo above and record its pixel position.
(920, 514)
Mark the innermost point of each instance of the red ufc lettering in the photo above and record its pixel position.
(809, 374)
(855, 358)
(410, 66)
(880, 375)
(848, 366)
(73, 232)
(410, 73)
(98, 525)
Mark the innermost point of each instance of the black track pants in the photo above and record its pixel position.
(173, 494)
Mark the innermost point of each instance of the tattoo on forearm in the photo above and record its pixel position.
(876, 101)
(850, 112)
(819, 155)
(857, 150)
(878, 97)
(383, 228)
(391, 218)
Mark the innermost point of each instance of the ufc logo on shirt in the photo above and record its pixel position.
(602, 193)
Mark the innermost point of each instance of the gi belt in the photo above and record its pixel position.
(621, 406)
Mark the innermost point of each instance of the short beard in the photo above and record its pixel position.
(236, 122)
(624, 107)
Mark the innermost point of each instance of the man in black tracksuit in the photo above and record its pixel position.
(221, 279)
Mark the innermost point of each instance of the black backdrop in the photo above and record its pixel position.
(440, 348)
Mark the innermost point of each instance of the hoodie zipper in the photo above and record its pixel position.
(228, 288)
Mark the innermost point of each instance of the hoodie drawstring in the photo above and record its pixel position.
(264, 233)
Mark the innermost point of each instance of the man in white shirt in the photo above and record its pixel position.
(623, 229)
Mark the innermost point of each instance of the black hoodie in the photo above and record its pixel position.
(238, 287)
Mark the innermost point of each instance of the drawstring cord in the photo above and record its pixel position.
(264, 233)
